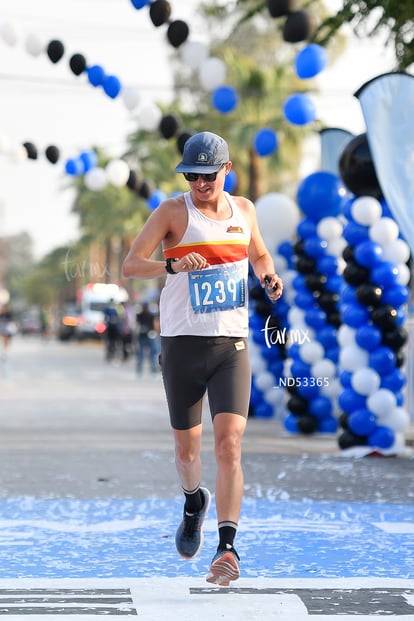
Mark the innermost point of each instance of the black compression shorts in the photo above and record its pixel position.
(192, 365)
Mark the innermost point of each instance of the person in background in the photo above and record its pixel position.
(208, 238)
(112, 332)
(147, 339)
(126, 330)
(8, 328)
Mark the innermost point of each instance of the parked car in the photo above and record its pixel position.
(67, 323)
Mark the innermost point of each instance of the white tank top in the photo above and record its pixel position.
(213, 301)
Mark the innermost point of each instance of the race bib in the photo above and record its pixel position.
(217, 289)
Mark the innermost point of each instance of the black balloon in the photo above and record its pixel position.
(395, 339)
(182, 139)
(299, 247)
(144, 189)
(132, 182)
(278, 8)
(160, 12)
(55, 50)
(297, 27)
(334, 319)
(77, 64)
(168, 126)
(355, 274)
(315, 282)
(348, 253)
(31, 150)
(347, 439)
(305, 265)
(328, 301)
(399, 359)
(357, 169)
(385, 317)
(307, 424)
(297, 405)
(343, 420)
(369, 294)
(262, 307)
(52, 154)
(177, 32)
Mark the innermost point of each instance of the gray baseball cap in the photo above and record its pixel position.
(204, 153)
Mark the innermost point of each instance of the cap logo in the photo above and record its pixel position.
(202, 157)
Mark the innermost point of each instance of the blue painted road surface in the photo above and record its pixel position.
(111, 538)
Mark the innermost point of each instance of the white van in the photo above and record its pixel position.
(93, 299)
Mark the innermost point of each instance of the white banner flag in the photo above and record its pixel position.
(387, 104)
(333, 142)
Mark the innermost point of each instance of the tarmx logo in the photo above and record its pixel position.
(277, 336)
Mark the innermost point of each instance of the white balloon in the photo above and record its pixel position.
(4, 143)
(366, 210)
(278, 216)
(10, 33)
(34, 45)
(150, 117)
(346, 335)
(382, 402)
(18, 153)
(296, 316)
(336, 246)
(311, 352)
(398, 251)
(95, 179)
(324, 368)
(352, 358)
(131, 97)
(384, 231)
(281, 263)
(264, 381)
(398, 420)
(329, 228)
(275, 396)
(212, 73)
(257, 363)
(404, 274)
(193, 53)
(332, 388)
(117, 172)
(365, 381)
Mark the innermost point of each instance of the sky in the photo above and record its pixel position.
(46, 103)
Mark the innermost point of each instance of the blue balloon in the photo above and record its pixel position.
(156, 198)
(299, 283)
(362, 422)
(354, 315)
(329, 424)
(332, 354)
(394, 381)
(89, 160)
(327, 337)
(224, 99)
(300, 369)
(316, 318)
(368, 253)
(73, 167)
(96, 75)
(299, 109)
(349, 400)
(320, 407)
(345, 378)
(306, 228)
(112, 86)
(327, 265)
(381, 437)
(285, 250)
(396, 295)
(230, 182)
(386, 273)
(334, 283)
(315, 246)
(139, 4)
(310, 61)
(355, 233)
(321, 194)
(382, 360)
(304, 300)
(308, 391)
(368, 337)
(291, 423)
(348, 295)
(263, 410)
(265, 142)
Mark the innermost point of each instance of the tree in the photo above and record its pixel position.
(367, 18)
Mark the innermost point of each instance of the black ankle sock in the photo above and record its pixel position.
(227, 533)
(193, 500)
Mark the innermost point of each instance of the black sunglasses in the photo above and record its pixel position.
(205, 176)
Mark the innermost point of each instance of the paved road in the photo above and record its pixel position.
(89, 503)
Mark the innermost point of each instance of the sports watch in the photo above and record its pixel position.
(168, 265)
